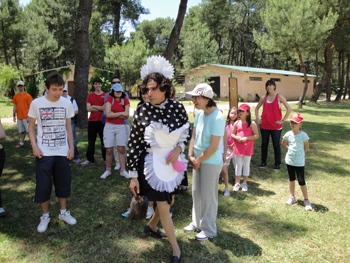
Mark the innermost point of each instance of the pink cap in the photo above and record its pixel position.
(244, 107)
(296, 117)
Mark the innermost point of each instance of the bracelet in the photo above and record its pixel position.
(283, 120)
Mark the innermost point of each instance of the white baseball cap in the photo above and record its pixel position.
(65, 87)
(20, 83)
(202, 89)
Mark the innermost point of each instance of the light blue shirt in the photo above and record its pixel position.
(206, 126)
(295, 155)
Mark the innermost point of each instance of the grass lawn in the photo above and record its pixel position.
(6, 107)
(252, 227)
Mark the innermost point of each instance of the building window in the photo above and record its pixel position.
(275, 80)
(308, 81)
(255, 78)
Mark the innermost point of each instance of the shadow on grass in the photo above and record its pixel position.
(316, 207)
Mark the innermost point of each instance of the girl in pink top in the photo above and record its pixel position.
(244, 132)
(228, 147)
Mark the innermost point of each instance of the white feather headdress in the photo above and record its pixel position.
(157, 64)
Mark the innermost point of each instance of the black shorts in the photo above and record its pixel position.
(57, 168)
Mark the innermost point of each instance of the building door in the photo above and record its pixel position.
(215, 85)
(71, 88)
(233, 92)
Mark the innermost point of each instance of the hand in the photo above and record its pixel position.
(195, 164)
(37, 152)
(70, 154)
(279, 122)
(243, 139)
(258, 121)
(174, 156)
(224, 157)
(14, 118)
(134, 186)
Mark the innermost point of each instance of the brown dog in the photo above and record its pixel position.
(138, 208)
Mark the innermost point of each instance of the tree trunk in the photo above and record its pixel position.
(300, 103)
(347, 87)
(175, 33)
(327, 77)
(82, 64)
(341, 75)
(117, 7)
(4, 43)
(15, 54)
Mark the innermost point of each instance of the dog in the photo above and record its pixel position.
(138, 208)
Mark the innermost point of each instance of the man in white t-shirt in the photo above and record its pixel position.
(75, 108)
(53, 148)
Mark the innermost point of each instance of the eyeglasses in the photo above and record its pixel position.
(115, 82)
(196, 97)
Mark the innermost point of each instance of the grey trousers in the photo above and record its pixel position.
(205, 197)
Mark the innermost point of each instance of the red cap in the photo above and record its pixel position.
(244, 107)
(296, 117)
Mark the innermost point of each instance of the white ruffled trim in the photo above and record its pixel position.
(161, 105)
(150, 133)
(158, 184)
(157, 64)
(133, 174)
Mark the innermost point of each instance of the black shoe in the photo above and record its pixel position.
(262, 165)
(175, 259)
(276, 167)
(2, 212)
(158, 234)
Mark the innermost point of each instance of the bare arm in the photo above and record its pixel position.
(306, 146)
(225, 146)
(213, 146)
(112, 115)
(90, 108)
(261, 101)
(284, 144)
(70, 154)
(191, 157)
(31, 132)
(282, 100)
(14, 112)
(2, 131)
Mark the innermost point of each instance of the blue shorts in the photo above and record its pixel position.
(52, 167)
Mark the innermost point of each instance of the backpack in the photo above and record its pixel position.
(75, 118)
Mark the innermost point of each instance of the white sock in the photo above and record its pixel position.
(63, 211)
(150, 208)
(46, 215)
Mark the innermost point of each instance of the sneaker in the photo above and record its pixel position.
(262, 165)
(105, 175)
(276, 167)
(308, 206)
(125, 174)
(150, 212)
(202, 236)
(77, 161)
(2, 212)
(244, 187)
(185, 189)
(190, 228)
(66, 217)
(86, 163)
(44, 222)
(117, 166)
(227, 192)
(19, 145)
(236, 187)
(291, 201)
(127, 213)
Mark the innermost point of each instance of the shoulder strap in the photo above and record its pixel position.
(71, 100)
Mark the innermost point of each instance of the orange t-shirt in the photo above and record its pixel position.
(22, 102)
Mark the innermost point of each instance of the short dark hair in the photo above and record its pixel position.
(54, 79)
(163, 83)
(112, 94)
(211, 103)
(115, 77)
(97, 79)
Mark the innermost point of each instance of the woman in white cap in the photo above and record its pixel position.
(157, 140)
(114, 132)
(206, 158)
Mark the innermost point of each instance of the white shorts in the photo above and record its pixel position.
(22, 125)
(227, 163)
(114, 135)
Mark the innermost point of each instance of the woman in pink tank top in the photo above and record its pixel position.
(271, 122)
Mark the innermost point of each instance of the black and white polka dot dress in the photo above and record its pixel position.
(169, 113)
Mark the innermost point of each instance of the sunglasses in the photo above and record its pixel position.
(115, 82)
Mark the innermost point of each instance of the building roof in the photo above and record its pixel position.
(257, 70)
(36, 73)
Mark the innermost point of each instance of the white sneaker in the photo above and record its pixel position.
(227, 192)
(125, 174)
(202, 236)
(244, 187)
(190, 228)
(105, 175)
(236, 187)
(66, 217)
(308, 206)
(150, 212)
(44, 221)
(291, 201)
(86, 163)
(117, 166)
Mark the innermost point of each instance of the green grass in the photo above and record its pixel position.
(252, 227)
(6, 108)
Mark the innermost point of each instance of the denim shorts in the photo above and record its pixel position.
(56, 169)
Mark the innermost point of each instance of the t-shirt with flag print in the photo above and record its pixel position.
(51, 118)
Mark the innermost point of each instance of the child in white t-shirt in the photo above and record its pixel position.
(298, 145)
